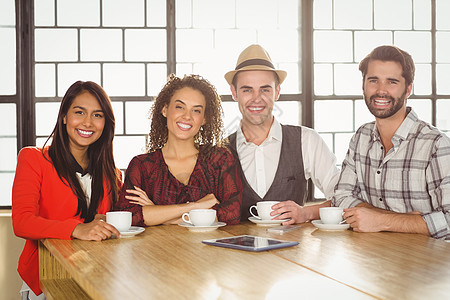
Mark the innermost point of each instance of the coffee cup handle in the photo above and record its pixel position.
(254, 206)
(188, 219)
(343, 220)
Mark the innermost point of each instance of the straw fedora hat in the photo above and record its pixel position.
(254, 58)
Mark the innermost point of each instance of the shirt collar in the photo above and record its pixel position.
(274, 133)
(76, 166)
(404, 129)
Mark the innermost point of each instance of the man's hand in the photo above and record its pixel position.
(290, 209)
(364, 219)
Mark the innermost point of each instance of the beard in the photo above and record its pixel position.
(396, 105)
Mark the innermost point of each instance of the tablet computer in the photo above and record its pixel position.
(250, 243)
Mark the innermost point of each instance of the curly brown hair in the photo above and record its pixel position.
(209, 135)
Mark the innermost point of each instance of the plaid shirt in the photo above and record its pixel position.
(413, 176)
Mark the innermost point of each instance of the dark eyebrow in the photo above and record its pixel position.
(185, 103)
(389, 78)
(265, 86)
(245, 87)
(82, 108)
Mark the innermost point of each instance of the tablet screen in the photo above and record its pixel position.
(250, 243)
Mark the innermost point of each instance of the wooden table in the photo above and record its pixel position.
(170, 262)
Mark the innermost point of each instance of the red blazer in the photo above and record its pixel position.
(42, 207)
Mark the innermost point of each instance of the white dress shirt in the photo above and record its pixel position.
(260, 163)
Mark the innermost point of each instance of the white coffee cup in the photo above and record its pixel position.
(200, 217)
(263, 208)
(331, 215)
(119, 219)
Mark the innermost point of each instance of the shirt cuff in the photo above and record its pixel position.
(437, 225)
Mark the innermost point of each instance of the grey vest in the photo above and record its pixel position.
(289, 182)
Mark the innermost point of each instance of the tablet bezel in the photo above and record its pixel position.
(280, 243)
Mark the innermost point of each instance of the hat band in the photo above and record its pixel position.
(252, 62)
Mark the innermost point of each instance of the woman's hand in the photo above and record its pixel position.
(206, 202)
(96, 230)
(140, 197)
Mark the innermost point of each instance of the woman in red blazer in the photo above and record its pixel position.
(63, 190)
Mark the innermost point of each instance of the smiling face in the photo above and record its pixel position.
(385, 90)
(256, 92)
(84, 122)
(185, 114)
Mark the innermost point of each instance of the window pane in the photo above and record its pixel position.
(56, 45)
(156, 13)
(442, 115)
(362, 114)
(443, 47)
(232, 117)
(323, 14)
(422, 14)
(249, 17)
(156, 78)
(137, 117)
(70, 73)
(288, 14)
(418, 44)
(145, 45)
(46, 115)
(323, 79)
(292, 82)
(124, 79)
(9, 154)
(8, 120)
(208, 12)
(194, 45)
(422, 80)
(288, 112)
(353, 14)
(366, 41)
(325, 49)
(7, 13)
(70, 14)
(123, 13)
(6, 182)
(347, 79)
(8, 61)
(442, 19)
(44, 12)
(342, 141)
(333, 115)
(125, 148)
(443, 78)
(422, 107)
(44, 79)
(183, 15)
(387, 14)
(118, 116)
(101, 44)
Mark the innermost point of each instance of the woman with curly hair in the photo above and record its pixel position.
(186, 166)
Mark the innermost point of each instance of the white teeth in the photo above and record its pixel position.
(255, 108)
(382, 101)
(85, 132)
(185, 126)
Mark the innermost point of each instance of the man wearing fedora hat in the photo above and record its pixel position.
(275, 160)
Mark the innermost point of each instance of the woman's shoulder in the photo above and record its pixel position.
(218, 155)
(146, 159)
(33, 153)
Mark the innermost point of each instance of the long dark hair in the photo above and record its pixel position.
(100, 153)
(209, 135)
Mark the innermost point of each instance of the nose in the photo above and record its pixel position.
(87, 121)
(381, 88)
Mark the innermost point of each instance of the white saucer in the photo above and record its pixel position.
(212, 227)
(266, 222)
(330, 227)
(132, 231)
